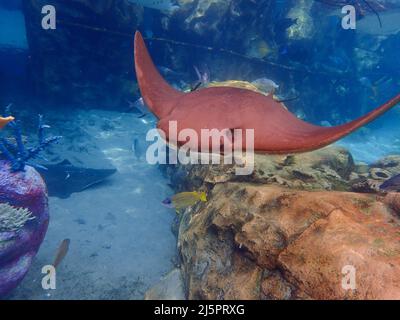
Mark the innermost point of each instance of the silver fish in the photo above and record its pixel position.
(163, 5)
(266, 85)
(138, 107)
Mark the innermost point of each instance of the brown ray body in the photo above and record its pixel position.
(276, 130)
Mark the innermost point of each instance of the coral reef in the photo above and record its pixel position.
(329, 169)
(290, 230)
(304, 26)
(25, 191)
(260, 242)
(369, 178)
(13, 219)
(24, 213)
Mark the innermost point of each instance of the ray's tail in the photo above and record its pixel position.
(158, 95)
(335, 133)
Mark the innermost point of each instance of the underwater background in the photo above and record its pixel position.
(81, 77)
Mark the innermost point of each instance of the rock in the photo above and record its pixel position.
(361, 168)
(291, 229)
(266, 242)
(369, 178)
(202, 15)
(365, 185)
(379, 174)
(390, 165)
(17, 249)
(275, 287)
(328, 169)
(392, 200)
(170, 287)
(304, 26)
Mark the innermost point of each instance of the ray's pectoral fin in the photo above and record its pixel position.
(329, 135)
(158, 95)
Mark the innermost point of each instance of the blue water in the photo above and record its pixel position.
(12, 29)
(121, 239)
(81, 77)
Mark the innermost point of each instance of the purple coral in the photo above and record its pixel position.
(21, 189)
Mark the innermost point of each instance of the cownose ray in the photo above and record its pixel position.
(5, 121)
(276, 130)
(63, 179)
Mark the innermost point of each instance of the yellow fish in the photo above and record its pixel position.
(185, 200)
(259, 49)
(61, 252)
(5, 121)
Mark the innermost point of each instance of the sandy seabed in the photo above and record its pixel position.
(121, 238)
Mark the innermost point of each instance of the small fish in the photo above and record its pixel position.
(259, 49)
(138, 107)
(392, 184)
(5, 121)
(184, 200)
(163, 5)
(203, 76)
(167, 72)
(266, 85)
(61, 252)
(138, 148)
(375, 86)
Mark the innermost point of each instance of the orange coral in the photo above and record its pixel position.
(5, 121)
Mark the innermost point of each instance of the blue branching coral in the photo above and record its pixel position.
(17, 153)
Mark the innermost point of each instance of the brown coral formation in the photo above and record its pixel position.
(369, 178)
(291, 231)
(329, 169)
